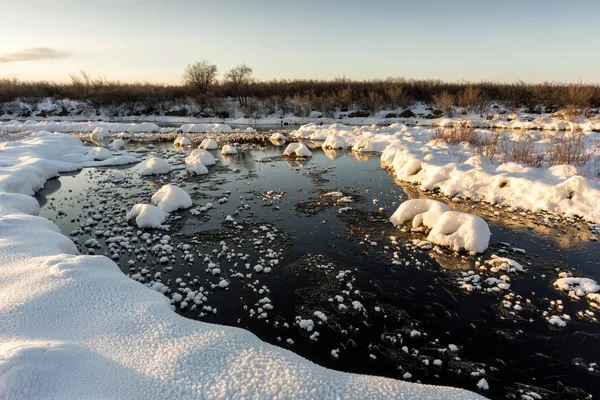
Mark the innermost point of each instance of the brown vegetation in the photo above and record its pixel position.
(303, 96)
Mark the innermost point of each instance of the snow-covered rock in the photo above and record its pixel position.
(147, 216)
(461, 231)
(201, 155)
(117, 144)
(228, 149)
(155, 166)
(170, 198)
(99, 153)
(182, 141)
(277, 137)
(335, 142)
(420, 212)
(208, 144)
(100, 132)
(205, 128)
(298, 150)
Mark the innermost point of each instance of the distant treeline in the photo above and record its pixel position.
(303, 96)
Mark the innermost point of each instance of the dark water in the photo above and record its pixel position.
(516, 352)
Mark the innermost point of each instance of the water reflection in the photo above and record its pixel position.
(333, 154)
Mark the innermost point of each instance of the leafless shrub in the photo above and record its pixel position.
(570, 149)
(471, 98)
(444, 101)
(457, 134)
(523, 152)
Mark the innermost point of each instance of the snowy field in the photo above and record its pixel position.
(74, 325)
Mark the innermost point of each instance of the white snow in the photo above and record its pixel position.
(420, 212)
(297, 149)
(577, 287)
(228, 149)
(100, 132)
(461, 231)
(99, 153)
(182, 141)
(334, 142)
(170, 198)
(205, 128)
(117, 144)
(74, 326)
(203, 156)
(147, 216)
(155, 166)
(197, 161)
(208, 144)
(277, 137)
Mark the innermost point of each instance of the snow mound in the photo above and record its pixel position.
(420, 212)
(228, 149)
(278, 137)
(100, 132)
(335, 142)
(297, 149)
(208, 144)
(147, 216)
(203, 156)
(117, 144)
(99, 153)
(170, 198)
(249, 130)
(182, 141)
(155, 166)
(197, 160)
(205, 128)
(461, 231)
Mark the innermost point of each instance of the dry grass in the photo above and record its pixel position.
(566, 148)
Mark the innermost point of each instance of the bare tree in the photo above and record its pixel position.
(200, 76)
(240, 78)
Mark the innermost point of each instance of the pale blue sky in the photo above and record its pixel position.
(153, 40)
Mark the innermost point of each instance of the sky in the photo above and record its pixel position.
(154, 40)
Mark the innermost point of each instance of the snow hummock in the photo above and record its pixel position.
(208, 144)
(335, 142)
(297, 149)
(420, 212)
(228, 149)
(205, 128)
(278, 137)
(74, 326)
(203, 156)
(147, 216)
(100, 132)
(99, 153)
(182, 141)
(170, 198)
(460, 231)
(155, 166)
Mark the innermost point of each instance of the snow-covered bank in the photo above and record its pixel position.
(417, 114)
(455, 170)
(75, 326)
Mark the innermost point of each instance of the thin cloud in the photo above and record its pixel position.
(33, 54)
